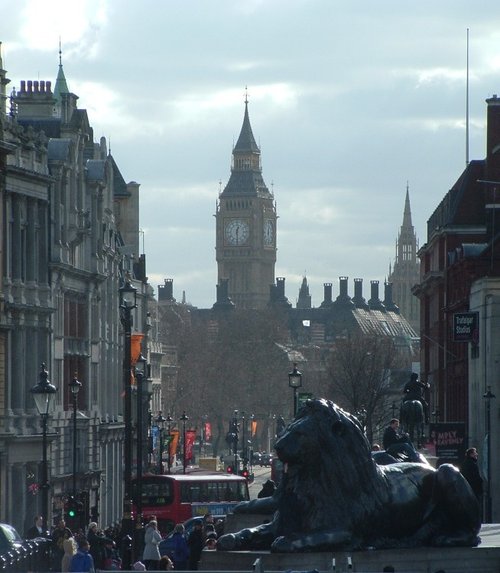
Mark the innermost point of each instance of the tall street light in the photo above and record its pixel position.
(160, 423)
(488, 396)
(295, 382)
(128, 301)
(74, 387)
(184, 419)
(44, 393)
(169, 440)
(140, 373)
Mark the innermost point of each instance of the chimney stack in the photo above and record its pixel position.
(358, 299)
(166, 291)
(343, 299)
(493, 139)
(327, 296)
(389, 304)
(375, 303)
(223, 300)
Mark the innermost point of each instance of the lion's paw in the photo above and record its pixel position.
(228, 542)
(282, 544)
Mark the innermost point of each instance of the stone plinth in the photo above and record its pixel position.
(482, 559)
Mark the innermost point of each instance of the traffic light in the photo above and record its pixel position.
(245, 473)
(230, 470)
(74, 511)
(71, 507)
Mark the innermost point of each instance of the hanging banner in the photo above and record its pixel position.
(135, 347)
(254, 428)
(208, 431)
(155, 434)
(190, 438)
(174, 442)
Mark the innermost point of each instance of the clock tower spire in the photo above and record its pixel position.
(246, 226)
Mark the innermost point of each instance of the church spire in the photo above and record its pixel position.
(407, 224)
(405, 272)
(61, 84)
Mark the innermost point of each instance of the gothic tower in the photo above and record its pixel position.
(406, 271)
(246, 226)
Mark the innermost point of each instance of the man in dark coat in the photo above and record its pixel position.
(195, 543)
(60, 533)
(395, 443)
(37, 529)
(470, 470)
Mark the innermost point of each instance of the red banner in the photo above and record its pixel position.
(208, 431)
(190, 438)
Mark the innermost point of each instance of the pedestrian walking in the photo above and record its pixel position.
(60, 533)
(82, 561)
(470, 470)
(180, 553)
(70, 547)
(195, 543)
(151, 554)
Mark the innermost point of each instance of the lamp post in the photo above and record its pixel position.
(74, 387)
(128, 301)
(235, 442)
(488, 396)
(295, 382)
(140, 373)
(184, 419)
(160, 422)
(44, 393)
(169, 440)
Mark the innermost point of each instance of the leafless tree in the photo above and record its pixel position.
(359, 370)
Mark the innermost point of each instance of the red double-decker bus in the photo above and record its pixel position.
(177, 497)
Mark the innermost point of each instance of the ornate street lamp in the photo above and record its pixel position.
(160, 422)
(295, 382)
(169, 440)
(74, 387)
(128, 301)
(488, 396)
(184, 419)
(44, 393)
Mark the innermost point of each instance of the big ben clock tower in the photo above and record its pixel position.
(246, 226)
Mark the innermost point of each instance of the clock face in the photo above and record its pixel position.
(236, 232)
(268, 232)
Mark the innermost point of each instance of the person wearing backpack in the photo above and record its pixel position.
(82, 562)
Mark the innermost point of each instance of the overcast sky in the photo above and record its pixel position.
(349, 101)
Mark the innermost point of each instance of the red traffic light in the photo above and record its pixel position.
(229, 469)
(245, 473)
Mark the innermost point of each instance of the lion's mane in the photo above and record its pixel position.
(331, 476)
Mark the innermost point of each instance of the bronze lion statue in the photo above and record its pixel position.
(334, 496)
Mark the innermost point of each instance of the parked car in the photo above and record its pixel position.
(17, 554)
(9, 538)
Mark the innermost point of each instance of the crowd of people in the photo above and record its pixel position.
(94, 549)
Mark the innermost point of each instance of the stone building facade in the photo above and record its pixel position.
(64, 260)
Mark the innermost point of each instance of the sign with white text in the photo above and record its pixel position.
(466, 327)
